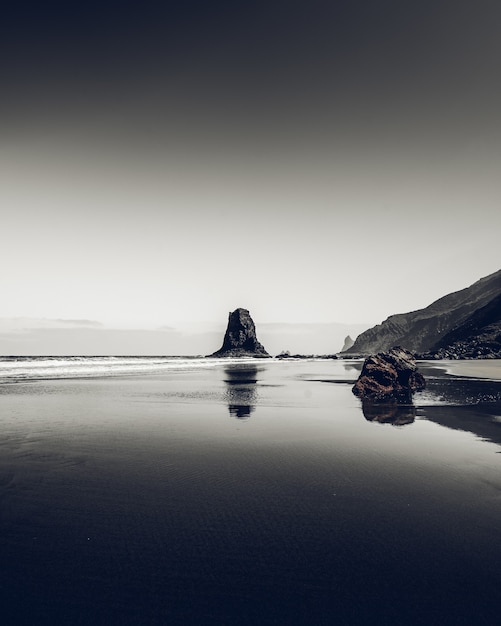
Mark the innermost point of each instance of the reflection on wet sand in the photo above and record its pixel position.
(353, 367)
(389, 413)
(241, 392)
(466, 404)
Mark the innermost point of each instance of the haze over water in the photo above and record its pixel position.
(249, 493)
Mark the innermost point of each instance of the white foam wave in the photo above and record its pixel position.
(15, 369)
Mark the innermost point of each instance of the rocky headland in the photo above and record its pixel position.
(463, 324)
(240, 339)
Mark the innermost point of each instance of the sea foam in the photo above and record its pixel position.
(21, 368)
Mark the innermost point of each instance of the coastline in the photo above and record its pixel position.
(17, 369)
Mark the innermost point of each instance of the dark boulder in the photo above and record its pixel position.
(389, 376)
(240, 338)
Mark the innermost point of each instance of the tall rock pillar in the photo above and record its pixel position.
(240, 338)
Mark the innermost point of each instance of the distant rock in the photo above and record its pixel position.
(428, 330)
(287, 355)
(240, 338)
(348, 342)
(388, 377)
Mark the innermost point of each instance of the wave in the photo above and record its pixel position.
(26, 368)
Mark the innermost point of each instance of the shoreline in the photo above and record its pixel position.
(65, 368)
(481, 368)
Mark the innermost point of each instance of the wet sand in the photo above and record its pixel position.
(249, 494)
(482, 368)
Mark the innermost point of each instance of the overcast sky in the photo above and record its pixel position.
(313, 161)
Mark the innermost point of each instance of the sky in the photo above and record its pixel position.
(320, 162)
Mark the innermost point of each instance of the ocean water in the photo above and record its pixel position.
(197, 491)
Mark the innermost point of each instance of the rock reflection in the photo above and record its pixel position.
(389, 413)
(241, 392)
(353, 366)
(465, 404)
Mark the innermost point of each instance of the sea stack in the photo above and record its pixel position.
(240, 338)
(389, 377)
(348, 342)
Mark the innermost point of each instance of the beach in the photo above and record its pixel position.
(475, 369)
(247, 492)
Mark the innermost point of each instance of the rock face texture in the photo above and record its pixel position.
(478, 337)
(389, 377)
(240, 338)
(426, 330)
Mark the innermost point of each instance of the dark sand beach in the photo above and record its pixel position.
(251, 493)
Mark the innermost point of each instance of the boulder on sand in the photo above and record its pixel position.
(389, 376)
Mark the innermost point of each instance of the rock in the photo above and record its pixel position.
(348, 342)
(240, 338)
(389, 376)
(285, 354)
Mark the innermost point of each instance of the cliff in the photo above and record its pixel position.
(479, 336)
(428, 329)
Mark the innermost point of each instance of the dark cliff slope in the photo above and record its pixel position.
(477, 337)
(424, 330)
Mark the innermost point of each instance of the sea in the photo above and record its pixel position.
(198, 491)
